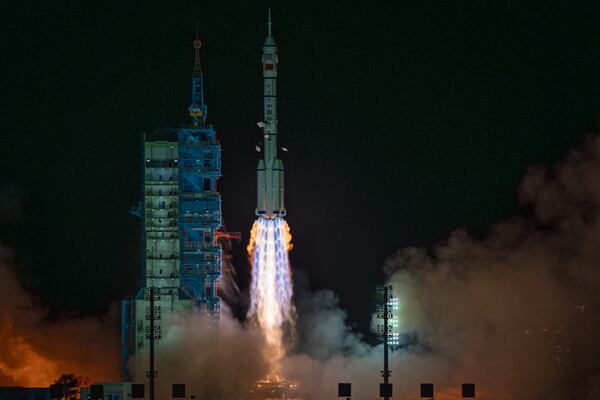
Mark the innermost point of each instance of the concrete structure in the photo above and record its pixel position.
(181, 213)
(269, 184)
(112, 391)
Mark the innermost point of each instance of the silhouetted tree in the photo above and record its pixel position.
(71, 386)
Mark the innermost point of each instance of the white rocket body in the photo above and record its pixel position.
(269, 186)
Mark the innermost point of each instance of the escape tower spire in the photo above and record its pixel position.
(197, 109)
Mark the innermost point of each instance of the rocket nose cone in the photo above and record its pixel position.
(269, 41)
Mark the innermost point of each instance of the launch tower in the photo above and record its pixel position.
(181, 213)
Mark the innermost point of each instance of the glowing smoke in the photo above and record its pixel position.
(35, 351)
(271, 287)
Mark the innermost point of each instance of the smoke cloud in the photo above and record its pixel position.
(214, 361)
(35, 351)
(517, 312)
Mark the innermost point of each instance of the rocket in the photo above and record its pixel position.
(269, 185)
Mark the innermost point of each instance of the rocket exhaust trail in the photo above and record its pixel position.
(270, 240)
(271, 288)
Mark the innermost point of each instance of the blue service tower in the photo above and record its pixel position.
(269, 182)
(181, 214)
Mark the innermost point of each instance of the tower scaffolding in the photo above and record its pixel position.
(181, 214)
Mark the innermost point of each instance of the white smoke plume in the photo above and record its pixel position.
(517, 312)
(213, 361)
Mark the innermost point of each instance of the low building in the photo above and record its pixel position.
(112, 391)
(24, 393)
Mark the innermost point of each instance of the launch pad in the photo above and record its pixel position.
(276, 389)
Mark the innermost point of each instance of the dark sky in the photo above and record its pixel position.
(403, 121)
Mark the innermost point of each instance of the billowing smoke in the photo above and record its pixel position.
(517, 312)
(214, 361)
(35, 351)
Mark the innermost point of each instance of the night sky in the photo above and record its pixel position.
(403, 122)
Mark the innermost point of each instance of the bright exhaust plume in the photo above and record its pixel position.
(271, 288)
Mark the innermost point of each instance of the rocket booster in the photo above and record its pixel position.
(269, 185)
